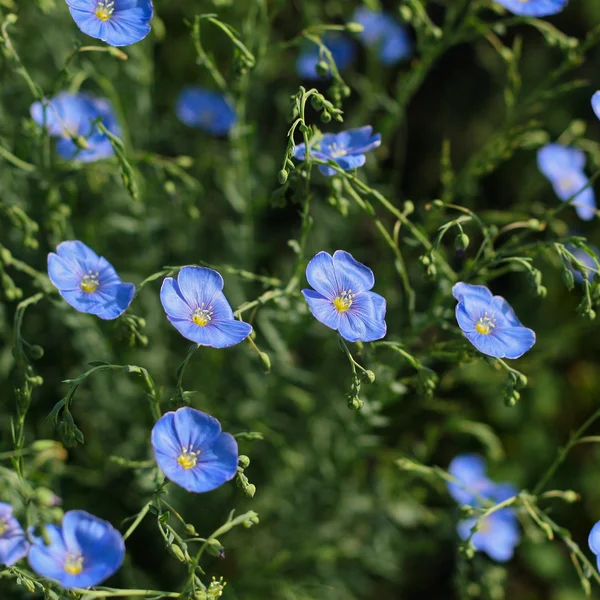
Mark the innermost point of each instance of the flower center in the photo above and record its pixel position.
(336, 152)
(105, 9)
(188, 458)
(90, 282)
(203, 315)
(73, 563)
(344, 301)
(485, 324)
(4, 528)
(567, 184)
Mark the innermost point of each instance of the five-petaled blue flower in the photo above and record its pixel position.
(347, 149)
(385, 33)
(498, 534)
(489, 323)
(116, 22)
(594, 542)
(197, 308)
(534, 8)
(83, 551)
(563, 167)
(69, 116)
(596, 103)
(341, 299)
(192, 451)
(206, 110)
(343, 52)
(88, 282)
(13, 543)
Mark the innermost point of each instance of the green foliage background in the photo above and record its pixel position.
(338, 519)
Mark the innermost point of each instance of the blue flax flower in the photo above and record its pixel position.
(13, 543)
(489, 323)
(347, 149)
(116, 22)
(594, 542)
(596, 103)
(385, 33)
(206, 110)
(497, 536)
(534, 8)
(88, 282)
(197, 308)
(83, 551)
(563, 167)
(343, 52)
(192, 451)
(341, 298)
(69, 116)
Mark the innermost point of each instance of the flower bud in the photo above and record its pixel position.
(354, 28)
(322, 69)
(177, 552)
(461, 243)
(282, 176)
(243, 461)
(568, 278)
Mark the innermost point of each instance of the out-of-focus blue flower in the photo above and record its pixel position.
(13, 543)
(385, 33)
(88, 282)
(594, 542)
(596, 103)
(197, 308)
(590, 267)
(192, 451)
(347, 148)
(489, 323)
(341, 299)
(116, 22)
(343, 52)
(534, 8)
(497, 536)
(563, 167)
(83, 551)
(72, 115)
(206, 110)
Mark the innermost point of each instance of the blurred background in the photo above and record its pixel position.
(338, 519)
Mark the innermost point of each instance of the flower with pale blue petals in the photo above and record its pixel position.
(534, 8)
(13, 543)
(197, 308)
(206, 110)
(596, 103)
(590, 266)
(116, 22)
(497, 536)
(84, 551)
(489, 323)
(347, 149)
(88, 282)
(343, 52)
(69, 116)
(563, 167)
(192, 451)
(341, 297)
(383, 32)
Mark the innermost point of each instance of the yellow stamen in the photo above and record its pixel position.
(202, 316)
(73, 564)
(485, 324)
(3, 527)
(90, 282)
(188, 458)
(105, 9)
(344, 301)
